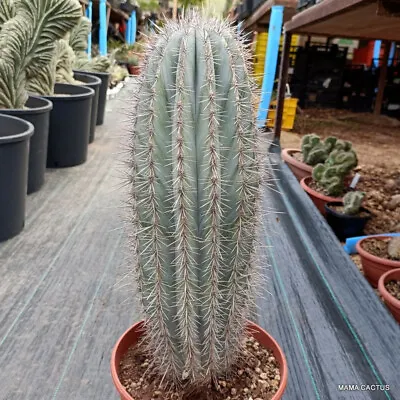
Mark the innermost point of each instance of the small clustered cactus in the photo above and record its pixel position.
(195, 179)
(331, 175)
(352, 202)
(315, 151)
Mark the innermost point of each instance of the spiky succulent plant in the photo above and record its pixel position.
(195, 181)
(331, 175)
(27, 43)
(352, 202)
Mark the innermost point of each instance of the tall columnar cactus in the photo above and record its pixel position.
(352, 202)
(332, 173)
(195, 189)
(27, 43)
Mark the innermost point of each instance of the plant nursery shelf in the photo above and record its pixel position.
(64, 297)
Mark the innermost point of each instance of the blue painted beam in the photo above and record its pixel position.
(128, 35)
(377, 52)
(89, 15)
(271, 60)
(103, 28)
(133, 27)
(392, 53)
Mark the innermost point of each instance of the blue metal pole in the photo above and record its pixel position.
(89, 15)
(271, 60)
(133, 27)
(392, 51)
(377, 52)
(128, 34)
(103, 28)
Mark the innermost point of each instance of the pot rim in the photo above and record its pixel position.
(251, 327)
(287, 154)
(87, 93)
(96, 80)
(48, 106)
(345, 216)
(382, 288)
(92, 73)
(328, 199)
(19, 137)
(373, 258)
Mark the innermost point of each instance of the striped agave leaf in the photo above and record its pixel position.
(7, 11)
(27, 43)
(78, 38)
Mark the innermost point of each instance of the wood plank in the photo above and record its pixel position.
(262, 13)
(355, 19)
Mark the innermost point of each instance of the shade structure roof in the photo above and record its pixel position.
(358, 19)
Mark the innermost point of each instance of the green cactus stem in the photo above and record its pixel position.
(352, 202)
(314, 150)
(332, 173)
(195, 182)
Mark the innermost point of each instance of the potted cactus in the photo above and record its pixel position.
(389, 288)
(195, 185)
(22, 58)
(348, 218)
(313, 151)
(328, 182)
(379, 254)
(98, 67)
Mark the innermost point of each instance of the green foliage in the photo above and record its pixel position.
(195, 183)
(78, 38)
(97, 64)
(7, 11)
(27, 44)
(394, 248)
(315, 151)
(332, 173)
(352, 202)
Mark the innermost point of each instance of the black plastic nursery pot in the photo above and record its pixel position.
(105, 79)
(37, 112)
(14, 157)
(94, 83)
(69, 125)
(346, 226)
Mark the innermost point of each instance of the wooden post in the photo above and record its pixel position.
(108, 14)
(283, 78)
(175, 10)
(382, 79)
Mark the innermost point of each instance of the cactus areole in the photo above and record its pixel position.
(195, 182)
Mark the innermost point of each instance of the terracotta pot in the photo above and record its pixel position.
(300, 170)
(133, 335)
(392, 303)
(374, 267)
(319, 199)
(134, 69)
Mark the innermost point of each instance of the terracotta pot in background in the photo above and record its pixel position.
(134, 69)
(300, 169)
(319, 199)
(374, 267)
(133, 335)
(392, 303)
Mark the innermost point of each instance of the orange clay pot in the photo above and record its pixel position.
(133, 335)
(300, 169)
(392, 303)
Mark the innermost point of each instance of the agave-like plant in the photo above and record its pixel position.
(29, 31)
(195, 179)
(78, 42)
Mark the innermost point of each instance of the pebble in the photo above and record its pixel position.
(394, 202)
